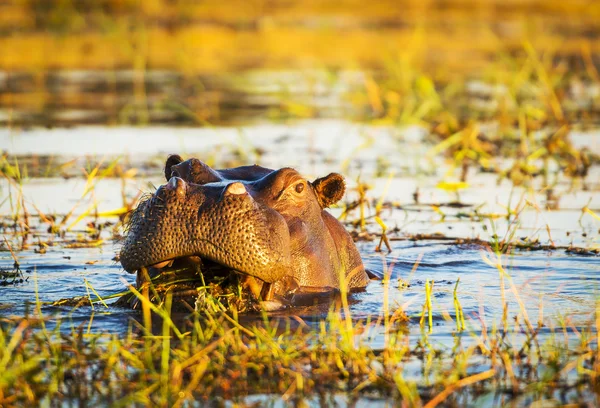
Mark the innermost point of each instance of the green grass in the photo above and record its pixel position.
(213, 355)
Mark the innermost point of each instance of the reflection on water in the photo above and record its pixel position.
(80, 97)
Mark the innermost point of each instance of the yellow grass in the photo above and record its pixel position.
(224, 36)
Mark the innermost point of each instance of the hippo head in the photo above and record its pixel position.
(265, 223)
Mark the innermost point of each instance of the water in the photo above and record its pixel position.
(552, 284)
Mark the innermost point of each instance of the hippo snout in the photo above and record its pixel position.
(219, 222)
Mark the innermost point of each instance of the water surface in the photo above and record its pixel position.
(554, 285)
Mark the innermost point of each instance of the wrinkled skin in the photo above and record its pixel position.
(268, 224)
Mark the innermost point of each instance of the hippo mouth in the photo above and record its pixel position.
(184, 276)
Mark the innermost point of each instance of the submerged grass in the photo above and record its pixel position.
(213, 354)
(218, 354)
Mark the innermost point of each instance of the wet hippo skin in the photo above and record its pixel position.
(268, 224)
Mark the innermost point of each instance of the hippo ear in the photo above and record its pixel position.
(329, 189)
(172, 160)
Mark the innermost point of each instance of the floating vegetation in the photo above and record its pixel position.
(11, 277)
(204, 337)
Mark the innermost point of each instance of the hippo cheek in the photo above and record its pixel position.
(304, 250)
(298, 229)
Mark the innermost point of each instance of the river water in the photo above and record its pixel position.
(553, 284)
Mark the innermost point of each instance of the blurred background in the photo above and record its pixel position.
(196, 63)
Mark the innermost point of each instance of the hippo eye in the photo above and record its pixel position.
(299, 188)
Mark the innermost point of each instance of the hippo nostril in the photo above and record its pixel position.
(172, 183)
(236, 188)
(178, 185)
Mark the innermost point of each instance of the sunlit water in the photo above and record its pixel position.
(553, 286)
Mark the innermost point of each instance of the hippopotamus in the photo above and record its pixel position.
(268, 224)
